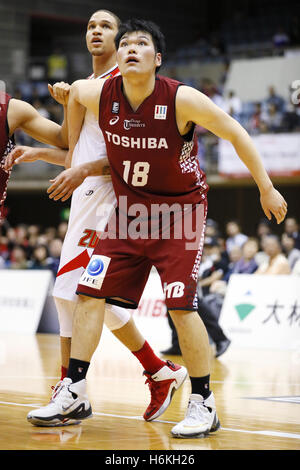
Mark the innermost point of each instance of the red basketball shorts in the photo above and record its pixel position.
(122, 260)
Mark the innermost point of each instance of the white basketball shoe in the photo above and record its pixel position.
(68, 405)
(200, 419)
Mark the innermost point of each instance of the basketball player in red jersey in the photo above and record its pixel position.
(102, 28)
(17, 114)
(148, 123)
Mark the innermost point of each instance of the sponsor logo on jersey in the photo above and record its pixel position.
(89, 193)
(133, 123)
(160, 112)
(137, 142)
(95, 272)
(174, 289)
(95, 267)
(114, 120)
(115, 107)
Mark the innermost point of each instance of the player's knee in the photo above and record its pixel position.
(65, 310)
(116, 317)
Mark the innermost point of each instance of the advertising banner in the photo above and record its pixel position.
(262, 311)
(280, 154)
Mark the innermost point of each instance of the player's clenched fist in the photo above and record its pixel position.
(60, 92)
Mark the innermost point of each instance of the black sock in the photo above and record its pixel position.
(77, 369)
(200, 386)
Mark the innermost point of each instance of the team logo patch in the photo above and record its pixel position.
(128, 124)
(174, 290)
(160, 112)
(95, 272)
(115, 107)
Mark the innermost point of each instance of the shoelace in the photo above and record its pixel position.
(55, 390)
(157, 389)
(196, 410)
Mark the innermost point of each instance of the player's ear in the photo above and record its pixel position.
(158, 59)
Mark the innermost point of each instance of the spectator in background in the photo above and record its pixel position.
(256, 123)
(291, 227)
(50, 234)
(2, 262)
(263, 229)
(242, 261)
(247, 264)
(214, 267)
(235, 237)
(288, 245)
(233, 105)
(40, 258)
(234, 257)
(62, 230)
(210, 89)
(42, 110)
(277, 262)
(224, 75)
(275, 99)
(55, 247)
(33, 230)
(273, 119)
(212, 228)
(18, 258)
(280, 38)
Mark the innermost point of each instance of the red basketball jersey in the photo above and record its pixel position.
(6, 145)
(151, 163)
(4, 131)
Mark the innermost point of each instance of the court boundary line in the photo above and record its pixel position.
(139, 418)
(240, 382)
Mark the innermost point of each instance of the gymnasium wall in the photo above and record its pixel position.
(277, 71)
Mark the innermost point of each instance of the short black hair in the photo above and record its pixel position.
(135, 24)
(118, 21)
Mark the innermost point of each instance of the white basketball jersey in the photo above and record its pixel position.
(89, 213)
(91, 146)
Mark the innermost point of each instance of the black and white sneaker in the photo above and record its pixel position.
(69, 404)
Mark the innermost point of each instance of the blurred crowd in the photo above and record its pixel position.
(31, 246)
(224, 254)
(35, 247)
(234, 252)
(273, 114)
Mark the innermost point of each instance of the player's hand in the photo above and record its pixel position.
(21, 154)
(272, 202)
(65, 183)
(60, 92)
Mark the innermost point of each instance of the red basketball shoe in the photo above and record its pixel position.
(162, 386)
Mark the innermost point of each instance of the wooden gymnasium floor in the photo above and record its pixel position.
(242, 381)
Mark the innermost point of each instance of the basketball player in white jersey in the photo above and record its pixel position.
(92, 202)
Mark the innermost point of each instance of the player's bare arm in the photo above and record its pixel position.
(194, 106)
(83, 95)
(67, 181)
(25, 154)
(24, 116)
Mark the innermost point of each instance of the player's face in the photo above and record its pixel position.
(136, 54)
(101, 31)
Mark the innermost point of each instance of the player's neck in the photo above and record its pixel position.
(136, 91)
(102, 64)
